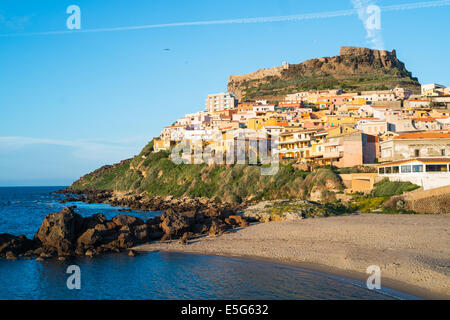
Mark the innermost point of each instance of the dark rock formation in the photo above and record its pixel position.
(15, 245)
(66, 233)
(59, 231)
(145, 203)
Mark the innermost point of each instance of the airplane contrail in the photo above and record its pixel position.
(298, 17)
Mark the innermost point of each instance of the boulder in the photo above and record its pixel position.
(126, 220)
(211, 212)
(11, 256)
(60, 230)
(236, 220)
(89, 239)
(155, 232)
(91, 222)
(186, 237)
(217, 227)
(141, 232)
(174, 224)
(16, 245)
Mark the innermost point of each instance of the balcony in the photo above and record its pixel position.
(333, 154)
(286, 150)
(331, 144)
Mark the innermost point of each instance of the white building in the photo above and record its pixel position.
(244, 116)
(426, 88)
(378, 112)
(378, 96)
(220, 102)
(428, 173)
(372, 127)
(264, 108)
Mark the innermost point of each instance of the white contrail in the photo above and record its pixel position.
(308, 16)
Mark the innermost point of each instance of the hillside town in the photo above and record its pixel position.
(405, 135)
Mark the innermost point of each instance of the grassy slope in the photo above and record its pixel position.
(383, 191)
(275, 89)
(155, 174)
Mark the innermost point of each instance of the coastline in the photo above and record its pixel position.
(414, 271)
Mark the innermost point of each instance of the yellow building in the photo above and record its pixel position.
(359, 102)
(335, 121)
(268, 121)
(295, 144)
(340, 130)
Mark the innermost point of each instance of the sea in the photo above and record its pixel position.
(154, 275)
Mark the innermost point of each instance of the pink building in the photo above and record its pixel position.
(352, 149)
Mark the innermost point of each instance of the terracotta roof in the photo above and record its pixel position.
(423, 135)
(424, 119)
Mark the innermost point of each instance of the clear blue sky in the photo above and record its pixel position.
(70, 103)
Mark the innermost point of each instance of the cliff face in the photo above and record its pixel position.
(354, 69)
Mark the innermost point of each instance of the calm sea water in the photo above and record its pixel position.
(156, 275)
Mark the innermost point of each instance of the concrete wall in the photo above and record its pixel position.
(427, 180)
(359, 182)
(429, 201)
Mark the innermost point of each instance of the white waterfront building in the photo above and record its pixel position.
(428, 173)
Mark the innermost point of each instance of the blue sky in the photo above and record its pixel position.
(72, 102)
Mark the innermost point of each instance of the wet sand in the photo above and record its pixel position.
(413, 251)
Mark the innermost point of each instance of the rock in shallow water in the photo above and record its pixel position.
(66, 233)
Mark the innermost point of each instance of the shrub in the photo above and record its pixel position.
(386, 188)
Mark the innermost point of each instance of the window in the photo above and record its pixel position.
(417, 168)
(443, 152)
(436, 168)
(388, 170)
(416, 153)
(406, 169)
(381, 170)
(395, 169)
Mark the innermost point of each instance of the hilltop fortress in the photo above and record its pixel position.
(357, 68)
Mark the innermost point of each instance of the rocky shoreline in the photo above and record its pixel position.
(145, 203)
(66, 234)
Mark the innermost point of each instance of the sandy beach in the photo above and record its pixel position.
(413, 251)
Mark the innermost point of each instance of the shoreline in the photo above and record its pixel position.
(421, 272)
(392, 284)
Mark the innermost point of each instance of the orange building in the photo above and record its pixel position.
(246, 106)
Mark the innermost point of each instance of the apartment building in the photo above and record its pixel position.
(220, 102)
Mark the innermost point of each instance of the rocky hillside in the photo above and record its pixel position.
(355, 68)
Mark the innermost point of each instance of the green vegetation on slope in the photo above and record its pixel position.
(279, 87)
(155, 174)
(386, 188)
(380, 194)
